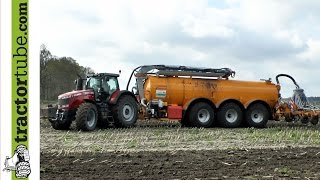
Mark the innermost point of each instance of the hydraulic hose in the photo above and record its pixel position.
(131, 77)
(288, 76)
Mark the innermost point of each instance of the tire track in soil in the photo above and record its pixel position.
(285, 163)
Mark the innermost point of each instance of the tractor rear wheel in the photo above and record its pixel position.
(257, 115)
(230, 115)
(125, 112)
(86, 117)
(201, 115)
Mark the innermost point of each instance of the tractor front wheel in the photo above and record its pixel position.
(87, 117)
(125, 112)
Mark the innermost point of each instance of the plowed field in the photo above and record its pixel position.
(162, 150)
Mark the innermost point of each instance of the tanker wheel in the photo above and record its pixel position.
(257, 115)
(125, 112)
(185, 121)
(201, 115)
(62, 125)
(86, 117)
(230, 115)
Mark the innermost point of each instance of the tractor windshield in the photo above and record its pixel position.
(93, 83)
(106, 83)
(110, 84)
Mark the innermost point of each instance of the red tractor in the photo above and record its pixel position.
(96, 100)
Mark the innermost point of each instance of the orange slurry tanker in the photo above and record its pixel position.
(205, 97)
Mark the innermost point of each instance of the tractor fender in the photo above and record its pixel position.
(117, 94)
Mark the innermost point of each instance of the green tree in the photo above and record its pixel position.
(57, 74)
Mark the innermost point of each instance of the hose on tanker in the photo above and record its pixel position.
(288, 76)
(127, 88)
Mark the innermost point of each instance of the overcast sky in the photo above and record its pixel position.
(256, 38)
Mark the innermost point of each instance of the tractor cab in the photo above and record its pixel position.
(103, 85)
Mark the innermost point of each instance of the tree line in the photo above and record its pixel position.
(57, 74)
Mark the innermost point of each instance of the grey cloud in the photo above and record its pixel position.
(251, 45)
(244, 45)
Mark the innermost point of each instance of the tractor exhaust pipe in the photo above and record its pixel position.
(79, 83)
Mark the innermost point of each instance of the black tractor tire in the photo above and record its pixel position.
(314, 120)
(62, 125)
(125, 112)
(200, 115)
(103, 123)
(257, 115)
(23, 169)
(230, 115)
(304, 120)
(185, 121)
(87, 117)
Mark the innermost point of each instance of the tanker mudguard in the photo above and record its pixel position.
(117, 94)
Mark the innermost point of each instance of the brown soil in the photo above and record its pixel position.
(285, 163)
